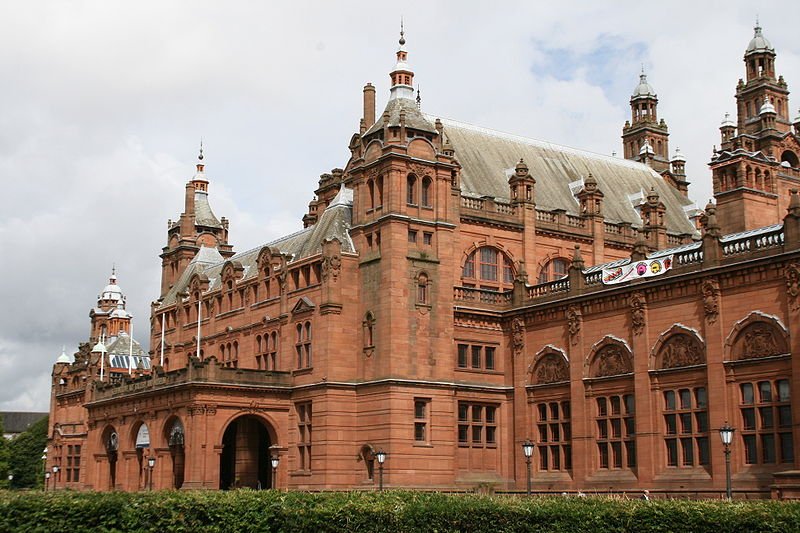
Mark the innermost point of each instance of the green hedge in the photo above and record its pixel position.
(406, 512)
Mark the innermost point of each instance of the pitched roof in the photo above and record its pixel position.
(18, 421)
(414, 117)
(488, 157)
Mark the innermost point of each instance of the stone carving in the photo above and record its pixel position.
(681, 350)
(758, 340)
(518, 335)
(552, 369)
(574, 318)
(613, 361)
(331, 266)
(710, 292)
(418, 170)
(792, 276)
(637, 312)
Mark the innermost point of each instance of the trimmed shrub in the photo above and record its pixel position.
(391, 511)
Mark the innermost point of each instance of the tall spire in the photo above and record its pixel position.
(402, 76)
(199, 180)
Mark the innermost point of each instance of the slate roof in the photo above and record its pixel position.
(203, 214)
(334, 223)
(414, 117)
(488, 157)
(15, 422)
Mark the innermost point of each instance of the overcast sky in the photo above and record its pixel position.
(104, 103)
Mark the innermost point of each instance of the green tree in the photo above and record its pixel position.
(26, 456)
(3, 457)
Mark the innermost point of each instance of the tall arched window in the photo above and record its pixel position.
(426, 192)
(554, 269)
(411, 190)
(371, 189)
(422, 289)
(488, 268)
(303, 345)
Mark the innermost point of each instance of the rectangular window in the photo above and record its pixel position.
(477, 426)
(766, 415)
(476, 357)
(616, 431)
(554, 434)
(462, 355)
(489, 357)
(421, 418)
(412, 236)
(304, 435)
(427, 238)
(685, 415)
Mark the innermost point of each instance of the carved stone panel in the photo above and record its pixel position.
(682, 350)
(759, 339)
(637, 303)
(552, 368)
(518, 335)
(613, 360)
(792, 276)
(709, 291)
(574, 319)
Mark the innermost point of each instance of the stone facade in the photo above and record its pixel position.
(450, 297)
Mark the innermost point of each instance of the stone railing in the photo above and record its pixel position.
(752, 241)
(488, 205)
(546, 289)
(196, 372)
(474, 295)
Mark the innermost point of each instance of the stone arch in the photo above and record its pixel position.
(755, 336)
(109, 441)
(791, 158)
(550, 365)
(678, 347)
(246, 439)
(471, 254)
(367, 455)
(610, 356)
(174, 435)
(421, 148)
(373, 151)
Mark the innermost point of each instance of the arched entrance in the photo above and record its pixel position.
(245, 458)
(175, 439)
(111, 445)
(142, 447)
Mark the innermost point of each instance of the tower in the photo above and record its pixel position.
(196, 227)
(645, 137)
(757, 162)
(109, 317)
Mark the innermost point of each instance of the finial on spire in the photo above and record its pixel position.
(402, 32)
(419, 99)
(200, 157)
(113, 270)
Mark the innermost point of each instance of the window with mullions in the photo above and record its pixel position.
(304, 435)
(554, 435)
(554, 269)
(303, 345)
(766, 413)
(421, 418)
(488, 267)
(616, 435)
(477, 425)
(686, 427)
(476, 357)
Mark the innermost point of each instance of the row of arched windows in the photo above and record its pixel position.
(424, 194)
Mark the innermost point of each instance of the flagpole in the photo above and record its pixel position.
(199, 319)
(130, 352)
(163, 322)
(102, 357)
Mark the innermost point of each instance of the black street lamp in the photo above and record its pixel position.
(55, 476)
(46, 481)
(275, 461)
(726, 434)
(527, 449)
(10, 479)
(381, 457)
(151, 464)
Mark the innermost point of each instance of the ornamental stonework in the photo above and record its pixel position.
(331, 267)
(518, 335)
(709, 291)
(637, 303)
(757, 340)
(574, 318)
(551, 369)
(682, 350)
(792, 276)
(613, 360)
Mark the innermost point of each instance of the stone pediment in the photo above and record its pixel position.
(303, 305)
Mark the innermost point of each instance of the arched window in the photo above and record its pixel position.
(791, 158)
(379, 187)
(303, 345)
(411, 190)
(371, 189)
(426, 192)
(554, 269)
(369, 330)
(272, 356)
(422, 289)
(489, 268)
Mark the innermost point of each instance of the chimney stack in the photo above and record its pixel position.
(369, 105)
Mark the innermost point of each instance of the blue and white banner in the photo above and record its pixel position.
(637, 270)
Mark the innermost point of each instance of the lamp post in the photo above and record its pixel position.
(381, 457)
(527, 449)
(55, 476)
(151, 464)
(10, 479)
(44, 467)
(46, 481)
(726, 434)
(274, 461)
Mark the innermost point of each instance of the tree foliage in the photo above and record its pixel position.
(25, 456)
(3, 457)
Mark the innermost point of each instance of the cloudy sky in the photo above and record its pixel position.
(104, 104)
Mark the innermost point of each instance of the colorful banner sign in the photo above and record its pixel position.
(638, 269)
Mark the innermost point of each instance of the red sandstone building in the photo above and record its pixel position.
(456, 291)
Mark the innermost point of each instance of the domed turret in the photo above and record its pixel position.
(766, 107)
(759, 43)
(64, 358)
(644, 89)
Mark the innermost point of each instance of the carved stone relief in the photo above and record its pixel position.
(682, 350)
(518, 335)
(637, 312)
(574, 318)
(710, 293)
(759, 339)
(792, 276)
(551, 369)
(331, 266)
(613, 360)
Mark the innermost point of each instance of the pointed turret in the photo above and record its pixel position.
(645, 129)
